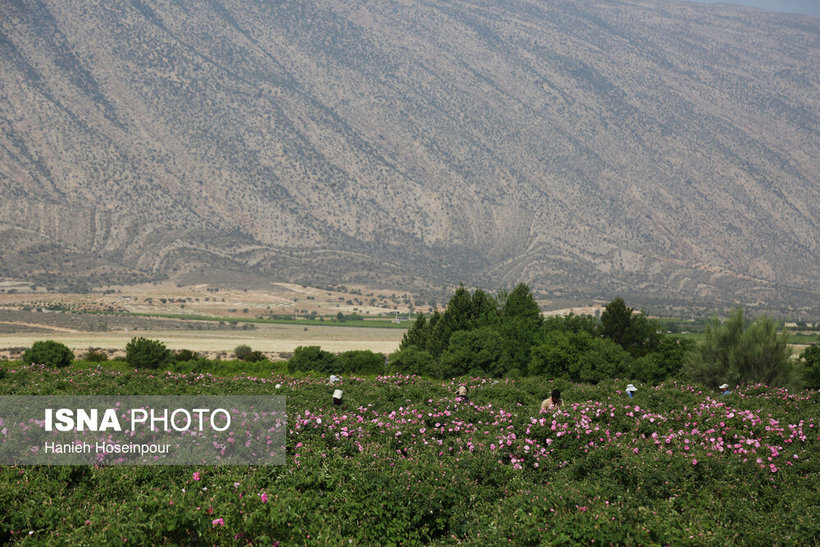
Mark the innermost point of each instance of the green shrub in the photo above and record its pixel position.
(245, 353)
(360, 362)
(144, 353)
(412, 360)
(241, 351)
(312, 358)
(49, 353)
(810, 363)
(185, 355)
(93, 356)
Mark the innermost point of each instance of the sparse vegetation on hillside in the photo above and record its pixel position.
(586, 147)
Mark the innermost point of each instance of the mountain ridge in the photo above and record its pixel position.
(631, 147)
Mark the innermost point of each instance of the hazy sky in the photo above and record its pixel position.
(811, 7)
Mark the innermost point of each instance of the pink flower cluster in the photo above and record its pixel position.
(517, 437)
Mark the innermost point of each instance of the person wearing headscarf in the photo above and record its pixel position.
(553, 402)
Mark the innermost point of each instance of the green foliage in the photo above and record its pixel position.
(521, 303)
(499, 337)
(666, 362)
(49, 353)
(579, 356)
(572, 323)
(403, 464)
(360, 362)
(185, 355)
(477, 352)
(412, 360)
(416, 334)
(245, 353)
(810, 367)
(143, 353)
(464, 312)
(95, 356)
(314, 358)
(634, 332)
(615, 321)
(735, 353)
(242, 351)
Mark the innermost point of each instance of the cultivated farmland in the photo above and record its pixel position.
(403, 462)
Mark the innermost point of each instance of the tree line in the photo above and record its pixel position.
(506, 335)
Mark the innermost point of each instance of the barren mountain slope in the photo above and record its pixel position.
(640, 147)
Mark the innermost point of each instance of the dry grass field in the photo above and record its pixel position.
(28, 315)
(273, 340)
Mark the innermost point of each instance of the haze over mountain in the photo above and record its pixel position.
(809, 7)
(655, 149)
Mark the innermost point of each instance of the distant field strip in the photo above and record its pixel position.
(279, 338)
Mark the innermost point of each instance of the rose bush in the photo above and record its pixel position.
(401, 461)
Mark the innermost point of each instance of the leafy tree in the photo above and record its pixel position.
(518, 336)
(579, 356)
(521, 320)
(602, 360)
(572, 323)
(632, 331)
(457, 316)
(143, 353)
(312, 358)
(49, 353)
(615, 321)
(416, 334)
(735, 353)
(360, 362)
(483, 309)
(555, 356)
(464, 312)
(810, 365)
(521, 303)
(477, 352)
(666, 362)
(412, 360)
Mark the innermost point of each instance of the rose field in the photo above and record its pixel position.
(403, 462)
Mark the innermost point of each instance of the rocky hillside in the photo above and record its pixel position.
(661, 149)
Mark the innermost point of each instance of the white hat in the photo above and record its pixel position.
(630, 387)
(724, 386)
(277, 386)
(333, 378)
(337, 394)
